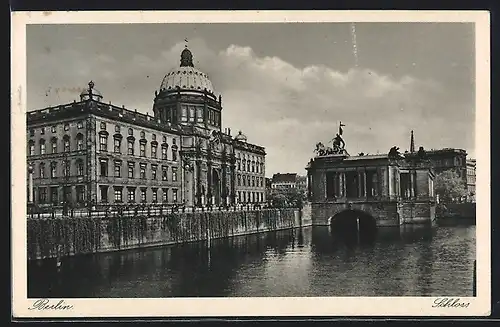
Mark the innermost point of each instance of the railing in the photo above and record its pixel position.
(107, 211)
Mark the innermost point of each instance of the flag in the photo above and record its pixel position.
(340, 128)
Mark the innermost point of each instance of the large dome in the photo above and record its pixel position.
(186, 77)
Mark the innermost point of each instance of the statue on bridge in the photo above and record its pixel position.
(394, 153)
(320, 150)
(338, 145)
(421, 153)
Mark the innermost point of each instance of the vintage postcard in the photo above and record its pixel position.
(225, 163)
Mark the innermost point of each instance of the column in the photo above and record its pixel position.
(389, 181)
(233, 182)
(224, 184)
(360, 184)
(197, 170)
(364, 184)
(412, 184)
(325, 188)
(209, 183)
(183, 181)
(308, 184)
(342, 184)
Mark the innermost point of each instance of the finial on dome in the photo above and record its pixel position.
(186, 58)
(91, 85)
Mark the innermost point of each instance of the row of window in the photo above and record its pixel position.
(53, 129)
(66, 169)
(118, 194)
(130, 132)
(52, 194)
(250, 166)
(195, 114)
(117, 147)
(247, 180)
(131, 170)
(54, 145)
(246, 197)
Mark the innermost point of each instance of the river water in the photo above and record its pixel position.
(406, 261)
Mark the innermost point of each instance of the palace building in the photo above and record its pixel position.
(91, 152)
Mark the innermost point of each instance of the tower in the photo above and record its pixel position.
(412, 143)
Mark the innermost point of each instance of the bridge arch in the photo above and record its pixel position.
(353, 224)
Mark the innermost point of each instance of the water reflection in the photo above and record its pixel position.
(313, 261)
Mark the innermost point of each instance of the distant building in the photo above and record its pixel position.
(302, 184)
(284, 181)
(471, 180)
(449, 159)
(268, 183)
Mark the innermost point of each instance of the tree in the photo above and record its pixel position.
(450, 186)
(295, 197)
(286, 197)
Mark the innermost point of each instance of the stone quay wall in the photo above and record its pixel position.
(58, 237)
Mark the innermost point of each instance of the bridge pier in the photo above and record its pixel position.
(386, 214)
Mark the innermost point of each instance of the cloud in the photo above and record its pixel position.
(285, 108)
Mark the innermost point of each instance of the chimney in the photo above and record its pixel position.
(229, 131)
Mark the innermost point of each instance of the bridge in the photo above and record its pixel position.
(379, 190)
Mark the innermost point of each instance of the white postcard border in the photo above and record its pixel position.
(285, 306)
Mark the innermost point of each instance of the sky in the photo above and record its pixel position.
(285, 85)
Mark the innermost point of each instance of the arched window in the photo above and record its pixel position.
(130, 145)
(239, 180)
(42, 170)
(174, 153)
(66, 143)
(164, 148)
(53, 145)
(53, 169)
(79, 167)
(79, 142)
(31, 147)
(154, 148)
(66, 168)
(142, 149)
(42, 146)
(117, 143)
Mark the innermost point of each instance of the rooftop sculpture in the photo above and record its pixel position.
(338, 145)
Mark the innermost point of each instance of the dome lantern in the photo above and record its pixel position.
(90, 93)
(186, 58)
(240, 137)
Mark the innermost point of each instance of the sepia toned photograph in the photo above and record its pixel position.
(319, 160)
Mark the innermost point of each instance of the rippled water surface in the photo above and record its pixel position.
(410, 261)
